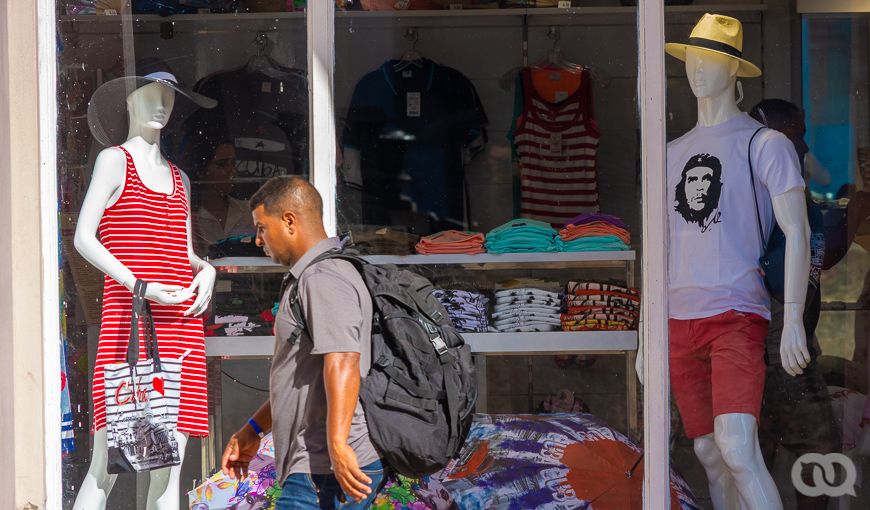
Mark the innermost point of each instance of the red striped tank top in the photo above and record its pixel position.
(557, 145)
(147, 232)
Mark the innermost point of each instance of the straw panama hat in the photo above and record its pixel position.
(718, 34)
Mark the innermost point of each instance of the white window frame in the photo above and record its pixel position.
(321, 64)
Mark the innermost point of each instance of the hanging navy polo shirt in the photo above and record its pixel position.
(415, 128)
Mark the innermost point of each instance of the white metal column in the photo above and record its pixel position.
(321, 130)
(49, 261)
(651, 94)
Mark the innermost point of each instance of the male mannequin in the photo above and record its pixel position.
(714, 273)
(149, 107)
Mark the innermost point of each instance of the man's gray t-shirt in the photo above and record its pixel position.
(338, 312)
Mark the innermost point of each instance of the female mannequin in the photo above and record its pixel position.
(139, 165)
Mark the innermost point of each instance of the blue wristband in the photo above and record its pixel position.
(256, 428)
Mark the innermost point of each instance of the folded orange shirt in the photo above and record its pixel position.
(594, 229)
(452, 242)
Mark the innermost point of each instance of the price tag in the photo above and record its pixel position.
(564, 4)
(413, 104)
(110, 12)
(556, 143)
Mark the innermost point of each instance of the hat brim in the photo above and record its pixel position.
(746, 69)
(107, 109)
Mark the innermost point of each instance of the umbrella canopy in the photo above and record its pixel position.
(556, 461)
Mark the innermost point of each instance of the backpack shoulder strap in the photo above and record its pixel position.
(754, 193)
(295, 305)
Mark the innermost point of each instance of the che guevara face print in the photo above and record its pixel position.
(699, 190)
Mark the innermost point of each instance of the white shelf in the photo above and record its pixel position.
(559, 342)
(482, 261)
(139, 19)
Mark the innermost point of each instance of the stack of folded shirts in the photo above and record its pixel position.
(591, 306)
(383, 241)
(452, 241)
(468, 309)
(522, 235)
(524, 309)
(595, 232)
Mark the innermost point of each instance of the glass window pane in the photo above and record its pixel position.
(465, 120)
(805, 78)
(249, 57)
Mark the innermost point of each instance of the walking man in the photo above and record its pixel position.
(323, 454)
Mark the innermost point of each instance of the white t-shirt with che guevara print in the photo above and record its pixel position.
(713, 232)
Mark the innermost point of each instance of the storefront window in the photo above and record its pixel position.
(248, 57)
(470, 139)
(802, 76)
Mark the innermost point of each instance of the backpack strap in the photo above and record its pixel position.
(754, 195)
(293, 283)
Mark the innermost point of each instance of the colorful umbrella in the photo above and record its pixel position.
(556, 461)
(509, 462)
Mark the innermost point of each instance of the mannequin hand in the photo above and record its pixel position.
(793, 345)
(166, 294)
(202, 286)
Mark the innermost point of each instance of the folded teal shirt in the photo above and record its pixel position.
(596, 243)
(523, 235)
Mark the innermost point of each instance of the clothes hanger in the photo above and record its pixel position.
(554, 58)
(262, 61)
(411, 57)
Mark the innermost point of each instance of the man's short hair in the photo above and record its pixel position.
(775, 113)
(288, 193)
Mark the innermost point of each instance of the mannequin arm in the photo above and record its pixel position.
(106, 186)
(203, 283)
(107, 182)
(791, 214)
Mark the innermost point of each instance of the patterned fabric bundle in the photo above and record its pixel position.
(452, 241)
(526, 308)
(591, 306)
(467, 309)
(595, 232)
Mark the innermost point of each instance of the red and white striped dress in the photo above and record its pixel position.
(557, 145)
(147, 232)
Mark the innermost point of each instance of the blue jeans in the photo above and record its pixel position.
(302, 491)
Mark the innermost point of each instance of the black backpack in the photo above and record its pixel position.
(420, 393)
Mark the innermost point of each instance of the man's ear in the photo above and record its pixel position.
(289, 221)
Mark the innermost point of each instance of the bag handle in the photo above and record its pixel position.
(754, 195)
(142, 310)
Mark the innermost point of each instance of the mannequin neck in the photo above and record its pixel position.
(146, 151)
(715, 110)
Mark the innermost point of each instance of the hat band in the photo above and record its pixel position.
(715, 46)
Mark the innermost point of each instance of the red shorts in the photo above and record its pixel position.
(717, 367)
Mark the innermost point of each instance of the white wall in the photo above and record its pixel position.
(21, 354)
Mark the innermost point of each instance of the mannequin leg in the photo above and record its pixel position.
(736, 435)
(723, 490)
(98, 482)
(163, 487)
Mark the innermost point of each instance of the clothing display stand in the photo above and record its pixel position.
(622, 343)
